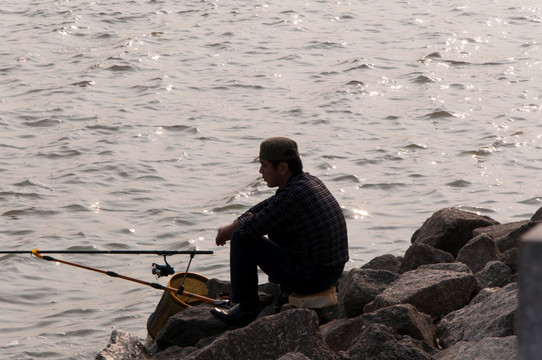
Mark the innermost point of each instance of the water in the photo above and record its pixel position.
(134, 124)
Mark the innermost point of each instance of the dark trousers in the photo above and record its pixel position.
(247, 254)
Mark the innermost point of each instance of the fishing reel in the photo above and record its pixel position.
(162, 270)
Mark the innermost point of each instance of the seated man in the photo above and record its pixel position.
(297, 236)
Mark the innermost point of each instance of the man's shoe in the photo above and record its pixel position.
(235, 316)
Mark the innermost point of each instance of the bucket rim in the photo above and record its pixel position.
(188, 275)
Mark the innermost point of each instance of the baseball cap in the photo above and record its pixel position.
(278, 148)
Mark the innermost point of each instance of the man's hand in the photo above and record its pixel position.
(225, 232)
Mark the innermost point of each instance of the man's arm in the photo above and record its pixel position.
(225, 232)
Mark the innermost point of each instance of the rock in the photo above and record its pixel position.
(537, 215)
(421, 254)
(405, 319)
(270, 337)
(341, 333)
(360, 286)
(494, 274)
(379, 342)
(294, 356)
(384, 262)
(450, 229)
(506, 236)
(175, 352)
(478, 251)
(189, 326)
(324, 315)
(269, 288)
(492, 313)
(511, 259)
(490, 348)
(431, 290)
(123, 346)
(455, 266)
(216, 287)
(267, 291)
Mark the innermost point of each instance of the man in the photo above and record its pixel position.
(306, 245)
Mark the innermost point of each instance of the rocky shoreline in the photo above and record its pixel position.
(454, 295)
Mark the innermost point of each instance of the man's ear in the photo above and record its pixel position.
(283, 167)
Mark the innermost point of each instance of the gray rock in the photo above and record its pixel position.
(506, 236)
(455, 266)
(270, 337)
(494, 274)
(537, 215)
(379, 342)
(123, 346)
(294, 356)
(359, 287)
(511, 259)
(431, 291)
(341, 333)
(174, 352)
(490, 348)
(189, 326)
(405, 319)
(216, 287)
(450, 229)
(478, 252)
(492, 313)
(421, 254)
(325, 315)
(384, 262)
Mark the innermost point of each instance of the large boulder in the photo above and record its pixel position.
(270, 337)
(537, 215)
(403, 319)
(511, 259)
(421, 254)
(294, 356)
(486, 349)
(494, 274)
(380, 342)
(174, 352)
(492, 313)
(450, 229)
(217, 288)
(341, 333)
(189, 326)
(478, 252)
(360, 286)
(123, 346)
(384, 262)
(433, 289)
(506, 236)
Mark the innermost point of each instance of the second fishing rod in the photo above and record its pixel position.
(157, 269)
(180, 291)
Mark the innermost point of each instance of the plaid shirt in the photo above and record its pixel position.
(304, 218)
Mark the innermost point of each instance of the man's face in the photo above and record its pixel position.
(270, 175)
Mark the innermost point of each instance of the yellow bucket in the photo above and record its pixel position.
(170, 303)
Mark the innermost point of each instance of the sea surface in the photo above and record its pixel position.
(133, 125)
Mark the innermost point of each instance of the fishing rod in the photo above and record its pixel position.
(133, 252)
(179, 291)
(158, 270)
